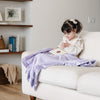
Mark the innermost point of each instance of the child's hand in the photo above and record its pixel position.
(65, 45)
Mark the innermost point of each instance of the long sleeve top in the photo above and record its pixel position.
(76, 45)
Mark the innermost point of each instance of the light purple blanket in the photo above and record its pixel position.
(43, 59)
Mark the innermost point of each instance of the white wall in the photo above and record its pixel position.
(48, 16)
(13, 31)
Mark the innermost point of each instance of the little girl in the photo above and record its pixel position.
(71, 43)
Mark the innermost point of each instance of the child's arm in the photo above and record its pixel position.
(75, 48)
(64, 45)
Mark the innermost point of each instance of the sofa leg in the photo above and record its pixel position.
(32, 98)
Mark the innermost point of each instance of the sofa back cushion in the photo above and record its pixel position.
(91, 46)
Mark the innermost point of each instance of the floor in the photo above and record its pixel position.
(12, 92)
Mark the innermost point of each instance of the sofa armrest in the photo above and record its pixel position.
(26, 53)
(24, 75)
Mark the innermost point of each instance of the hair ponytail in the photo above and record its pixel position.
(72, 24)
(78, 26)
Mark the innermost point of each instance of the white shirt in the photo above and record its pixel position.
(77, 45)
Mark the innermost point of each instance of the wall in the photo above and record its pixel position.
(48, 16)
(14, 31)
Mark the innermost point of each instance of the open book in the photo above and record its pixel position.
(57, 51)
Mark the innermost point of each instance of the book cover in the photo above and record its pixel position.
(57, 51)
(17, 43)
(12, 44)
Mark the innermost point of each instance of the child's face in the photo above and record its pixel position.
(70, 35)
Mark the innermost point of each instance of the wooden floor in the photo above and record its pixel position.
(12, 92)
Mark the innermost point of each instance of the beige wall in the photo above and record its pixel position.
(48, 16)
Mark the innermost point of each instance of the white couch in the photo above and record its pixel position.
(67, 82)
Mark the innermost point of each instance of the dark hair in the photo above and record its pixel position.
(71, 24)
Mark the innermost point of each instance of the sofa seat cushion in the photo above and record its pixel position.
(64, 76)
(90, 83)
